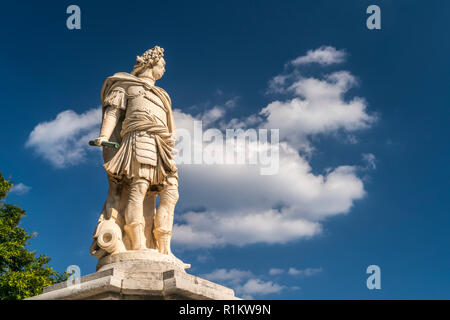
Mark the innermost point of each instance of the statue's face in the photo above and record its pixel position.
(159, 69)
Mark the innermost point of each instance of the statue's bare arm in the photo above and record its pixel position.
(110, 118)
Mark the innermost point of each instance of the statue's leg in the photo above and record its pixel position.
(112, 200)
(164, 215)
(149, 215)
(135, 212)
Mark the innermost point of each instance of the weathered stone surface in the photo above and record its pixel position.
(125, 281)
(140, 260)
(137, 117)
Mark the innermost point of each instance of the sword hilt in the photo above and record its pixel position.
(109, 144)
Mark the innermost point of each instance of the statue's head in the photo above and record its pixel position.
(150, 64)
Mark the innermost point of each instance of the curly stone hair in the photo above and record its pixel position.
(148, 59)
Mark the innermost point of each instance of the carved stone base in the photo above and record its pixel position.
(148, 259)
(138, 275)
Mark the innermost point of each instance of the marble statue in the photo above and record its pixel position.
(133, 234)
(138, 135)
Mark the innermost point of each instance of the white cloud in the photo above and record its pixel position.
(370, 160)
(233, 276)
(231, 103)
(204, 257)
(216, 116)
(245, 283)
(305, 272)
(278, 83)
(259, 287)
(318, 107)
(244, 207)
(64, 140)
(213, 115)
(296, 272)
(20, 189)
(324, 55)
(275, 271)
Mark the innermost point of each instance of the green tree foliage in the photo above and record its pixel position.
(22, 274)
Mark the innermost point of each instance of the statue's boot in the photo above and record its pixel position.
(135, 232)
(163, 221)
(163, 237)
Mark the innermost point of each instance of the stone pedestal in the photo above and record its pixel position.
(138, 275)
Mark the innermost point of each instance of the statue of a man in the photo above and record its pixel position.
(138, 115)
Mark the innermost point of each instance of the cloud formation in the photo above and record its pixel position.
(317, 107)
(245, 283)
(248, 285)
(370, 159)
(275, 271)
(233, 276)
(325, 55)
(257, 286)
(238, 205)
(308, 272)
(64, 141)
(20, 189)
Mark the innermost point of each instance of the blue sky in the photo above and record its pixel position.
(223, 56)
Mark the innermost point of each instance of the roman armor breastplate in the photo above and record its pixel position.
(144, 99)
(144, 144)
